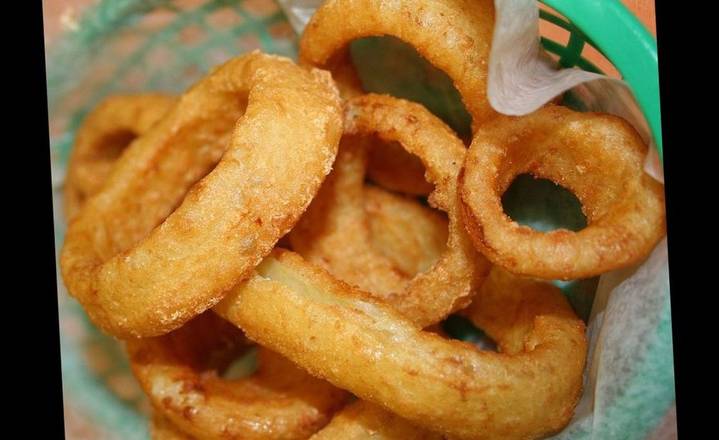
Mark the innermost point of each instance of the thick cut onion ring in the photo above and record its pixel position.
(453, 35)
(341, 334)
(104, 134)
(598, 157)
(448, 285)
(134, 279)
(277, 401)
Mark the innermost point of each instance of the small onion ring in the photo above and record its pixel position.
(178, 372)
(106, 131)
(598, 157)
(137, 279)
(453, 35)
(341, 334)
(449, 284)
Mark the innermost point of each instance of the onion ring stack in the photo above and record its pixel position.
(449, 284)
(178, 206)
(179, 372)
(367, 348)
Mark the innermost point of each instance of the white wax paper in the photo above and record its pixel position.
(629, 380)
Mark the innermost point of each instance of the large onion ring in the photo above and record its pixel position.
(449, 284)
(277, 401)
(342, 335)
(106, 131)
(137, 280)
(598, 157)
(453, 35)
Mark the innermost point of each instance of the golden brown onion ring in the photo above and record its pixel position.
(411, 235)
(448, 285)
(391, 167)
(361, 420)
(341, 334)
(179, 373)
(137, 279)
(163, 429)
(598, 157)
(453, 35)
(106, 131)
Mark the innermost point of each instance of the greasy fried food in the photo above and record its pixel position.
(445, 287)
(361, 420)
(598, 157)
(140, 273)
(180, 372)
(411, 235)
(453, 35)
(391, 167)
(341, 334)
(163, 429)
(103, 136)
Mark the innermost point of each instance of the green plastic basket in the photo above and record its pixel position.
(163, 45)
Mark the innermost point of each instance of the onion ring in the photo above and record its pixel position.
(163, 429)
(598, 157)
(178, 371)
(453, 35)
(103, 135)
(391, 167)
(409, 234)
(362, 420)
(341, 334)
(449, 284)
(136, 280)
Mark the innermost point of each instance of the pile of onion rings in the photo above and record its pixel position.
(278, 209)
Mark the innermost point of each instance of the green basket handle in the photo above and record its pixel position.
(620, 37)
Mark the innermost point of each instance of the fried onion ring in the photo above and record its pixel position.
(453, 35)
(391, 167)
(598, 157)
(362, 420)
(445, 287)
(341, 334)
(411, 235)
(103, 135)
(163, 429)
(179, 373)
(138, 280)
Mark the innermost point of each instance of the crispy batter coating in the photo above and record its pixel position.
(336, 214)
(453, 35)
(140, 273)
(598, 157)
(361, 420)
(391, 167)
(163, 429)
(180, 371)
(341, 334)
(104, 134)
(410, 234)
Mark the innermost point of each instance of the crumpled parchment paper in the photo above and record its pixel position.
(629, 380)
